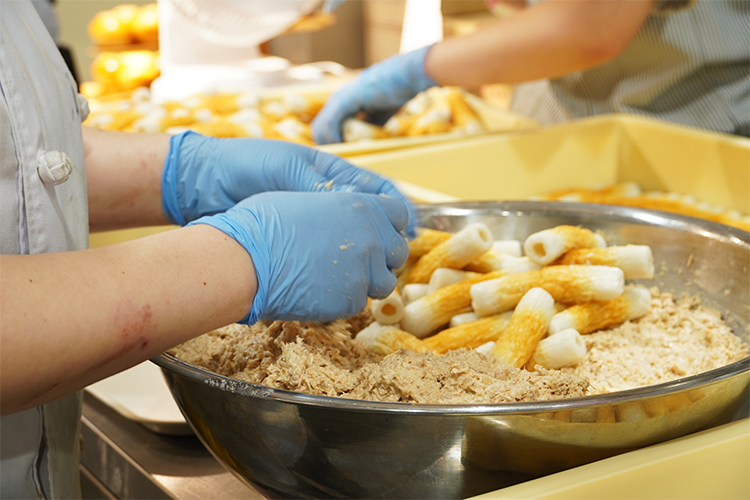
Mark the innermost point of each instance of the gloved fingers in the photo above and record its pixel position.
(398, 251)
(344, 173)
(412, 216)
(383, 87)
(353, 303)
(391, 247)
(343, 188)
(317, 256)
(342, 104)
(394, 209)
(302, 174)
(326, 126)
(411, 210)
(395, 248)
(382, 282)
(341, 171)
(260, 165)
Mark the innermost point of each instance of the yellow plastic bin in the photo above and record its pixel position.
(712, 167)
(712, 464)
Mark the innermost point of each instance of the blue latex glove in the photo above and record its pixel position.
(205, 175)
(379, 91)
(317, 256)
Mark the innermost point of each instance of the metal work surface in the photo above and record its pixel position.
(132, 462)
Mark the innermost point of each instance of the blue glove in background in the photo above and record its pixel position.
(206, 175)
(379, 90)
(317, 256)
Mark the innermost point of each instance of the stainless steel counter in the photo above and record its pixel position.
(122, 459)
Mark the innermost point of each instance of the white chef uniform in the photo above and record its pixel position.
(43, 208)
(688, 64)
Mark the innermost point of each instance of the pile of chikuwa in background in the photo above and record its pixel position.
(284, 116)
(630, 194)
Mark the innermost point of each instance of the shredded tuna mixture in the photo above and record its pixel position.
(675, 339)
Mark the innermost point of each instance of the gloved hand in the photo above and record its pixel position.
(205, 175)
(317, 256)
(379, 91)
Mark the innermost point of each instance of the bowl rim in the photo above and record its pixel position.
(595, 210)
(170, 363)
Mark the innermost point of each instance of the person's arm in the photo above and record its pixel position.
(548, 40)
(124, 177)
(134, 178)
(70, 319)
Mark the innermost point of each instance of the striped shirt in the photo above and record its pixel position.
(689, 64)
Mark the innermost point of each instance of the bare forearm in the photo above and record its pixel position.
(70, 319)
(548, 40)
(124, 172)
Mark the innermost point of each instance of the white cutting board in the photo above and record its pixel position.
(141, 394)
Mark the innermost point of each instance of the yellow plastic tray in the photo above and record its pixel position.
(713, 464)
(712, 167)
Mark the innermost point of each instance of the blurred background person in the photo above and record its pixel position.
(682, 61)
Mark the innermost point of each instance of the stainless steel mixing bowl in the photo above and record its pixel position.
(306, 446)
